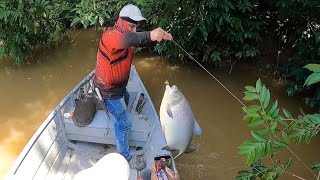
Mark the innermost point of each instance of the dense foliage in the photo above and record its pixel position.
(273, 131)
(211, 30)
(298, 31)
(25, 25)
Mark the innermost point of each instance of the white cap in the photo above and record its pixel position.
(133, 12)
(112, 166)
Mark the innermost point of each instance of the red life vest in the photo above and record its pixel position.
(113, 62)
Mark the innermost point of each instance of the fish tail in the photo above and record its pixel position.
(197, 129)
(180, 153)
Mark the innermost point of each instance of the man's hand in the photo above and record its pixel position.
(159, 34)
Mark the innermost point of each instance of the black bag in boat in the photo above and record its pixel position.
(85, 110)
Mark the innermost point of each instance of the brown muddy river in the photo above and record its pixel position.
(30, 92)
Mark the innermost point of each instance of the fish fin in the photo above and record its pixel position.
(196, 129)
(180, 153)
(166, 147)
(169, 112)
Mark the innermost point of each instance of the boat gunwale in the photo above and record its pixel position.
(28, 147)
(33, 140)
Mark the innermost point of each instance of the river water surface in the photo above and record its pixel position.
(30, 92)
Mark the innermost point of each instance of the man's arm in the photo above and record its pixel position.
(118, 40)
(138, 39)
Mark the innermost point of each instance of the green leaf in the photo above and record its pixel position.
(216, 56)
(256, 123)
(273, 125)
(251, 157)
(287, 113)
(263, 93)
(282, 121)
(285, 138)
(269, 148)
(313, 67)
(250, 96)
(262, 131)
(266, 101)
(258, 85)
(288, 163)
(273, 108)
(275, 113)
(245, 175)
(313, 78)
(253, 114)
(280, 144)
(267, 117)
(316, 166)
(258, 136)
(252, 108)
(315, 118)
(250, 88)
(243, 151)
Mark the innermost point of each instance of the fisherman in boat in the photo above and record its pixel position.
(114, 58)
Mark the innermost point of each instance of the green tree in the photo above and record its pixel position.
(274, 129)
(26, 25)
(210, 30)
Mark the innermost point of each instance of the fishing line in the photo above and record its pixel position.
(209, 73)
(235, 98)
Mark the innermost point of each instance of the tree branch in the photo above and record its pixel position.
(294, 175)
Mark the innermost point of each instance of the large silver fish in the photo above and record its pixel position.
(177, 120)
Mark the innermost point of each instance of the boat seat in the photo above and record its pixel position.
(101, 129)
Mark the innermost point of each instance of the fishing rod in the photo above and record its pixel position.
(209, 73)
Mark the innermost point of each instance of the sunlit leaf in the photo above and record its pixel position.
(269, 148)
(258, 85)
(267, 99)
(273, 108)
(315, 118)
(252, 108)
(275, 113)
(244, 151)
(262, 131)
(287, 113)
(263, 93)
(312, 79)
(288, 163)
(250, 96)
(256, 123)
(253, 114)
(258, 136)
(250, 88)
(313, 67)
(279, 143)
(250, 159)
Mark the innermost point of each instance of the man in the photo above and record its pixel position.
(114, 60)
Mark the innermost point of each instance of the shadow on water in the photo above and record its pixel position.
(30, 92)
